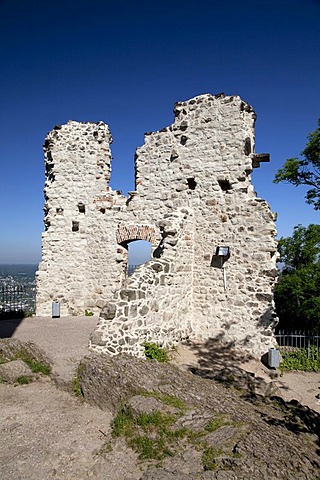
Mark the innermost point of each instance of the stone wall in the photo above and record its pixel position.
(193, 193)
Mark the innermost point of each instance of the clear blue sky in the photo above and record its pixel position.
(126, 63)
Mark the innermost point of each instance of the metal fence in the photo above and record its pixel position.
(16, 298)
(297, 339)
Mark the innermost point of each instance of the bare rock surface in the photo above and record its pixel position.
(11, 371)
(259, 438)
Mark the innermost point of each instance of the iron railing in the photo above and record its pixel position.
(16, 298)
(290, 340)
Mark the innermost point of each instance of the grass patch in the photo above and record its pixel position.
(303, 359)
(24, 380)
(150, 421)
(35, 365)
(123, 423)
(214, 424)
(76, 387)
(154, 436)
(149, 434)
(150, 448)
(209, 458)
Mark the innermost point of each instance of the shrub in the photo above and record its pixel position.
(304, 359)
(153, 351)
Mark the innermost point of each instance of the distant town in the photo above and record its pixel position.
(17, 289)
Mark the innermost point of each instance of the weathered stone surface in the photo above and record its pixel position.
(256, 438)
(193, 193)
(11, 347)
(11, 371)
(140, 404)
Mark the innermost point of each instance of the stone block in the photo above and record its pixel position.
(11, 371)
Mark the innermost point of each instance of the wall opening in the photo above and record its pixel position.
(191, 183)
(81, 207)
(247, 146)
(139, 252)
(224, 185)
(75, 226)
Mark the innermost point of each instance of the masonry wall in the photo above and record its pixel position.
(76, 248)
(193, 193)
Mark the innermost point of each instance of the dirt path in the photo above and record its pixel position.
(46, 433)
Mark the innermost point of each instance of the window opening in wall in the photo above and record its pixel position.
(81, 207)
(59, 211)
(139, 252)
(247, 146)
(191, 183)
(75, 226)
(224, 185)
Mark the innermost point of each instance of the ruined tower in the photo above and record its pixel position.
(193, 194)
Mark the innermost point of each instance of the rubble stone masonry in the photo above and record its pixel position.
(193, 193)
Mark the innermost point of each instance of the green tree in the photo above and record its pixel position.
(297, 293)
(305, 171)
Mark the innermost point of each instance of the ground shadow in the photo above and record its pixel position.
(9, 323)
(223, 362)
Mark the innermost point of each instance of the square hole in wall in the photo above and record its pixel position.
(75, 226)
(81, 207)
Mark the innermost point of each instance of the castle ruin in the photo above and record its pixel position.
(193, 194)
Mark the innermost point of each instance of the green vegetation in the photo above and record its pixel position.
(304, 359)
(148, 433)
(76, 387)
(153, 351)
(88, 313)
(305, 171)
(35, 365)
(24, 380)
(154, 435)
(209, 458)
(297, 293)
(215, 423)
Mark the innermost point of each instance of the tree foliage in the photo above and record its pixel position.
(297, 293)
(305, 171)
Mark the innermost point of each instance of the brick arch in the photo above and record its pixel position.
(128, 233)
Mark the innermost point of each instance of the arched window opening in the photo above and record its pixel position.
(139, 252)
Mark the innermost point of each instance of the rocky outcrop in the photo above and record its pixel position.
(12, 371)
(225, 433)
